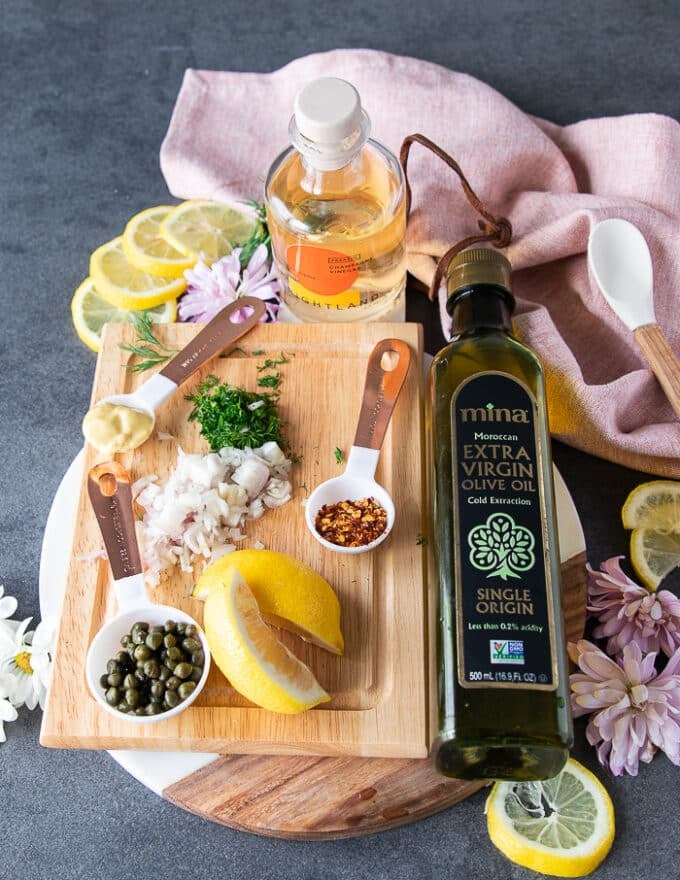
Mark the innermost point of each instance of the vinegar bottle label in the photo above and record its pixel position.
(503, 590)
(322, 276)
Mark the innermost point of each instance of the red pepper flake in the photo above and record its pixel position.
(351, 523)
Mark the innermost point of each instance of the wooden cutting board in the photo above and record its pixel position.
(330, 794)
(378, 688)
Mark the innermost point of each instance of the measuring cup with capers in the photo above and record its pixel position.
(149, 662)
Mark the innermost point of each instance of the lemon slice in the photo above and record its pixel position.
(250, 655)
(146, 249)
(90, 312)
(209, 230)
(652, 510)
(562, 826)
(126, 286)
(289, 593)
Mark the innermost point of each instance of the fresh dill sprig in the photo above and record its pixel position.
(271, 363)
(259, 235)
(148, 348)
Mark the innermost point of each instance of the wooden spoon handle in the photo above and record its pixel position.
(387, 368)
(662, 360)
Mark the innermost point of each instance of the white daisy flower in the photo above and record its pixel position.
(27, 657)
(7, 710)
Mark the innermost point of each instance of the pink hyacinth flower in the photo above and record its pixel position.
(629, 613)
(634, 712)
(211, 288)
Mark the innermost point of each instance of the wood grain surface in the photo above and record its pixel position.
(378, 688)
(326, 798)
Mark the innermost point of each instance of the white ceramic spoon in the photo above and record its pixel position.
(619, 259)
(108, 486)
(217, 335)
(387, 367)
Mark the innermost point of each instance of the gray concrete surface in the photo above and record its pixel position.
(86, 93)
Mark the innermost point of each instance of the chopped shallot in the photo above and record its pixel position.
(201, 510)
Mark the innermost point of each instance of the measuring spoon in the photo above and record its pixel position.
(108, 486)
(619, 259)
(123, 422)
(387, 367)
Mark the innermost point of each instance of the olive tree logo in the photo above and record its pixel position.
(501, 547)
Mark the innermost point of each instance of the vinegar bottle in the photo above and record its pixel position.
(503, 696)
(336, 211)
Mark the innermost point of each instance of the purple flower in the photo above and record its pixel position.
(629, 613)
(634, 710)
(211, 288)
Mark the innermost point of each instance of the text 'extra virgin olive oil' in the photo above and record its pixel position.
(503, 683)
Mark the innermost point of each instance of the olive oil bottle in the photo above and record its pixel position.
(503, 686)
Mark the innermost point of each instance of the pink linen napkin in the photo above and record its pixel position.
(553, 183)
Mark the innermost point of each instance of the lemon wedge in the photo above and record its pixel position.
(147, 250)
(562, 826)
(289, 593)
(652, 510)
(90, 312)
(124, 285)
(210, 230)
(252, 658)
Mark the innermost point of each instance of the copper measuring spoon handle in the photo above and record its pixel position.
(108, 485)
(213, 338)
(387, 368)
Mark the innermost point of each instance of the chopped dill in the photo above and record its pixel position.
(231, 416)
(337, 452)
(271, 363)
(273, 380)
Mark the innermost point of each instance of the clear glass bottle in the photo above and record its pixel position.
(504, 709)
(336, 211)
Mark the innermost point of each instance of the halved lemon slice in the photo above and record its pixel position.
(562, 826)
(252, 658)
(148, 250)
(652, 510)
(289, 593)
(124, 285)
(90, 312)
(210, 230)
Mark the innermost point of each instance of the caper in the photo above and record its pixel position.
(113, 666)
(104, 681)
(157, 689)
(112, 696)
(115, 679)
(185, 689)
(142, 652)
(139, 672)
(123, 658)
(190, 630)
(152, 709)
(138, 637)
(181, 628)
(132, 697)
(154, 641)
(196, 673)
(170, 626)
(152, 668)
(140, 625)
(190, 645)
(173, 683)
(130, 681)
(169, 640)
(140, 710)
(164, 673)
(198, 657)
(183, 670)
(123, 706)
(157, 628)
(175, 655)
(172, 699)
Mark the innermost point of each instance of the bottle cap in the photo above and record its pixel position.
(329, 126)
(478, 266)
(327, 110)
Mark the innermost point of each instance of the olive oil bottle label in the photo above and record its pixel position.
(504, 612)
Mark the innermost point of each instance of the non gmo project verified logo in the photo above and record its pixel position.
(506, 651)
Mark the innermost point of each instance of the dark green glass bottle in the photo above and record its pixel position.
(502, 665)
